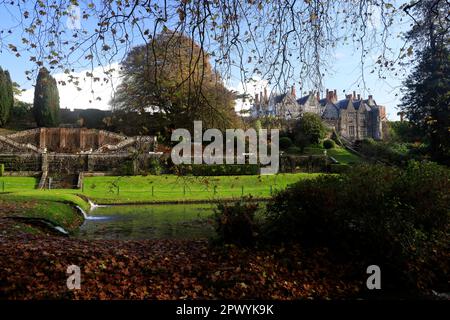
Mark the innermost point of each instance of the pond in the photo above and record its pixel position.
(136, 222)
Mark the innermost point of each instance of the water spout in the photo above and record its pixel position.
(87, 217)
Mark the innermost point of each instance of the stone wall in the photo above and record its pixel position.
(26, 136)
(21, 162)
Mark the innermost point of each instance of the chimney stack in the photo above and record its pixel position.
(335, 95)
(330, 96)
(256, 99)
(354, 95)
(318, 95)
(265, 95)
(293, 91)
(359, 96)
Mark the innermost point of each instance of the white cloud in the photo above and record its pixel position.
(93, 94)
(252, 87)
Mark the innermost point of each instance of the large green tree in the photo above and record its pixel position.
(426, 98)
(46, 100)
(309, 129)
(172, 76)
(6, 96)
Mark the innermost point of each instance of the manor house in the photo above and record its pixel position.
(354, 117)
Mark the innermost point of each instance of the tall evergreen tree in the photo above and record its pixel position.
(6, 96)
(46, 100)
(426, 98)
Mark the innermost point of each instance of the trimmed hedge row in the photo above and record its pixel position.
(218, 169)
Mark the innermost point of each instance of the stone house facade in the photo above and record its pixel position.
(354, 118)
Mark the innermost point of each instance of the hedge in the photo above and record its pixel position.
(218, 169)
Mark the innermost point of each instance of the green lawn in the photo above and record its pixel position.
(13, 184)
(340, 154)
(172, 188)
(55, 206)
(162, 188)
(62, 196)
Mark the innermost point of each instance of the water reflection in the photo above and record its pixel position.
(183, 221)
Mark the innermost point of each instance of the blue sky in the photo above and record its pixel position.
(344, 75)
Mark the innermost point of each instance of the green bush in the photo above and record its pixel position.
(217, 169)
(329, 144)
(339, 168)
(294, 150)
(127, 168)
(285, 143)
(398, 218)
(309, 129)
(384, 151)
(154, 166)
(235, 223)
(2, 169)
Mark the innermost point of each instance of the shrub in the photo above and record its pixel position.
(127, 168)
(398, 218)
(294, 150)
(285, 143)
(309, 129)
(217, 169)
(329, 144)
(339, 168)
(154, 166)
(235, 223)
(2, 169)
(384, 151)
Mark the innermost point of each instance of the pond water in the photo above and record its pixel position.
(175, 221)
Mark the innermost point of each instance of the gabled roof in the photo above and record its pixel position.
(356, 104)
(279, 97)
(342, 104)
(303, 100)
(323, 102)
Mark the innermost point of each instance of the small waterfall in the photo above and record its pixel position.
(85, 216)
(93, 205)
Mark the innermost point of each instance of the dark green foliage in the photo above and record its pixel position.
(127, 168)
(329, 144)
(403, 131)
(294, 150)
(339, 168)
(285, 143)
(235, 223)
(309, 129)
(154, 166)
(6, 97)
(46, 100)
(21, 109)
(218, 169)
(295, 163)
(383, 151)
(426, 100)
(398, 218)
